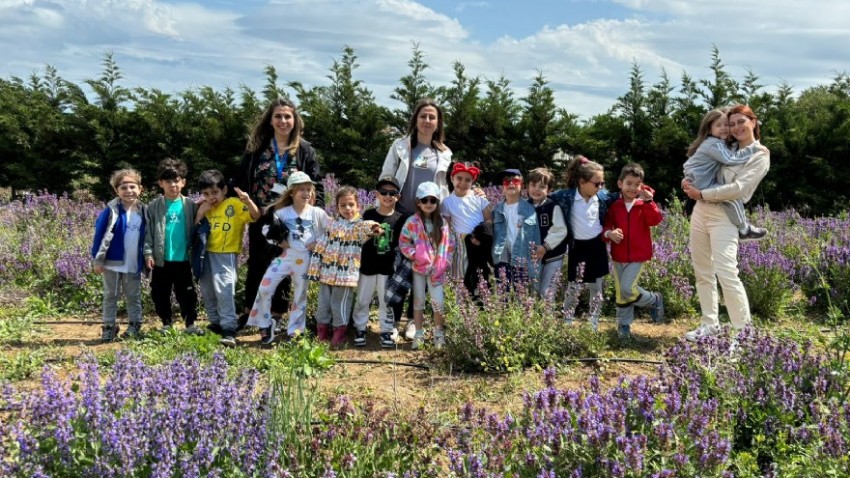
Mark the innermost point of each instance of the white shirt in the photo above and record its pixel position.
(584, 218)
(464, 212)
(305, 228)
(131, 245)
(512, 220)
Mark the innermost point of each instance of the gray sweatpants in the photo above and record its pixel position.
(628, 294)
(335, 304)
(114, 283)
(734, 209)
(218, 288)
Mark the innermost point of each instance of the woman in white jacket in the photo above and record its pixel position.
(420, 155)
(714, 239)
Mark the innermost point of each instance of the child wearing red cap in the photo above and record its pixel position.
(468, 214)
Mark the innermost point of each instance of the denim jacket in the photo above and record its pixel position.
(520, 255)
(564, 199)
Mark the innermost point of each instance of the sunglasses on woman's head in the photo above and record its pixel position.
(388, 192)
(429, 200)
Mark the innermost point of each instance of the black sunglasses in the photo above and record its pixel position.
(388, 192)
(429, 200)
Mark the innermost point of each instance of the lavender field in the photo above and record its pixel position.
(172, 406)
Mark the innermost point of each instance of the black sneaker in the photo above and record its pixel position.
(228, 339)
(109, 333)
(215, 328)
(387, 341)
(360, 338)
(267, 334)
(134, 331)
(241, 321)
(753, 234)
(657, 309)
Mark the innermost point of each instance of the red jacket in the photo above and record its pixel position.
(636, 245)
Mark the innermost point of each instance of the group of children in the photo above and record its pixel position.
(354, 256)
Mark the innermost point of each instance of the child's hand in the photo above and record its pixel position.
(149, 263)
(243, 196)
(479, 192)
(474, 241)
(615, 235)
(285, 245)
(99, 269)
(538, 253)
(203, 208)
(646, 193)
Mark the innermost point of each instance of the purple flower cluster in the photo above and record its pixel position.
(776, 405)
(181, 419)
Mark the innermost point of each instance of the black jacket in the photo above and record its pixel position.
(305, 160)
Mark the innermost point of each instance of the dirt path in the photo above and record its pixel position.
(404, 388)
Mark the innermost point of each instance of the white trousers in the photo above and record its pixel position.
(714, 253)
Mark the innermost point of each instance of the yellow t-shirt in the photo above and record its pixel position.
(227, 226)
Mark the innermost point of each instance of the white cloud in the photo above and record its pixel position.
(173, 45)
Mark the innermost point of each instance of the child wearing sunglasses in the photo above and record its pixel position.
(516, 234)
(468, 214)
(376, 265)
(427, 241)
(584, 204)
(304, 224)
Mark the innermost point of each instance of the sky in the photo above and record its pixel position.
(584, 48)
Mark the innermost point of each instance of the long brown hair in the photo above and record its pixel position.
(748, 112)
(436, 220)
(439, 135)
(705, 129)
(262, 132)
(581, 168)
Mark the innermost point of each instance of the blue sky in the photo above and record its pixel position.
(585, 48)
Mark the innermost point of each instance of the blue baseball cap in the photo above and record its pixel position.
(426, 189)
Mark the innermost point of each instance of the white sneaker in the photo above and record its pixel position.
(439, 339)
(394, 334)
(702, 331)
(418, 340)
(410, 333)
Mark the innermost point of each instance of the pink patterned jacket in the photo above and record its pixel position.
(415, 244)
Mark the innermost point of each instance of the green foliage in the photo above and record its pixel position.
(304, 357)
(48, 123)
(26, 364)
(510, 332)
(16, 327)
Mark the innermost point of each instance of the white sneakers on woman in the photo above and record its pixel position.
(702, 331)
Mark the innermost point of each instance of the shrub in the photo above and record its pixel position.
(511, 330)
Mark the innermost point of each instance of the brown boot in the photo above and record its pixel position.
(339, 336)
(323, 332)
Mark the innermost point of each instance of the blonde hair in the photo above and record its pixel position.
(116, 179)
(285, 199)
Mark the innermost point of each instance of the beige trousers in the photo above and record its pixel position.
(714, 253)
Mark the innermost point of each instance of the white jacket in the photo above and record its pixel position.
(397, 164)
